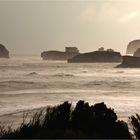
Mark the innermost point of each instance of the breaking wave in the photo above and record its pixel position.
(32, 74)
(63, 75)
(109, 84)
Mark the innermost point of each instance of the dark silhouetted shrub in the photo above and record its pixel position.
(84, 121)
(98, 121)
(135, 122)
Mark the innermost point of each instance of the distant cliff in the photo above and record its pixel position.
(130, 62)
(4, 53)
(58, 55)
(97, 56)
(133, 46)
(137, 53)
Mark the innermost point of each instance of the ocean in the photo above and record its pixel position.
(27, 82)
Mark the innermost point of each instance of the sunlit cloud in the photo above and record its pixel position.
(89, 14)
(104, 12)
(129, 16)
(110, 12)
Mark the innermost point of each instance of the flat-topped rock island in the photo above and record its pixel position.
(97, 57)
(58, 55)
(130, 62)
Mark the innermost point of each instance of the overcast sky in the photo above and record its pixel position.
(34, 26)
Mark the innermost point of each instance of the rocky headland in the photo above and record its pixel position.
(137, 53)
(4, 53)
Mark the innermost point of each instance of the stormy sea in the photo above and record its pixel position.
(28, 83)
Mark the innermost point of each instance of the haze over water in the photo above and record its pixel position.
(29, 82)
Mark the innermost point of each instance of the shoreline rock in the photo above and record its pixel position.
(130, 62)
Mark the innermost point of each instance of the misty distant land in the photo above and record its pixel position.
(58, 55)
(73, 55)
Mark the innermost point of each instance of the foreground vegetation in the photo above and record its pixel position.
(82, 121)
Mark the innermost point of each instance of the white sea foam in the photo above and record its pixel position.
(28, 83)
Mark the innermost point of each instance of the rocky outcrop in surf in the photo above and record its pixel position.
(133, 46)
(97, 56)
(130, 62)
(58, 55)
(4, 53)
